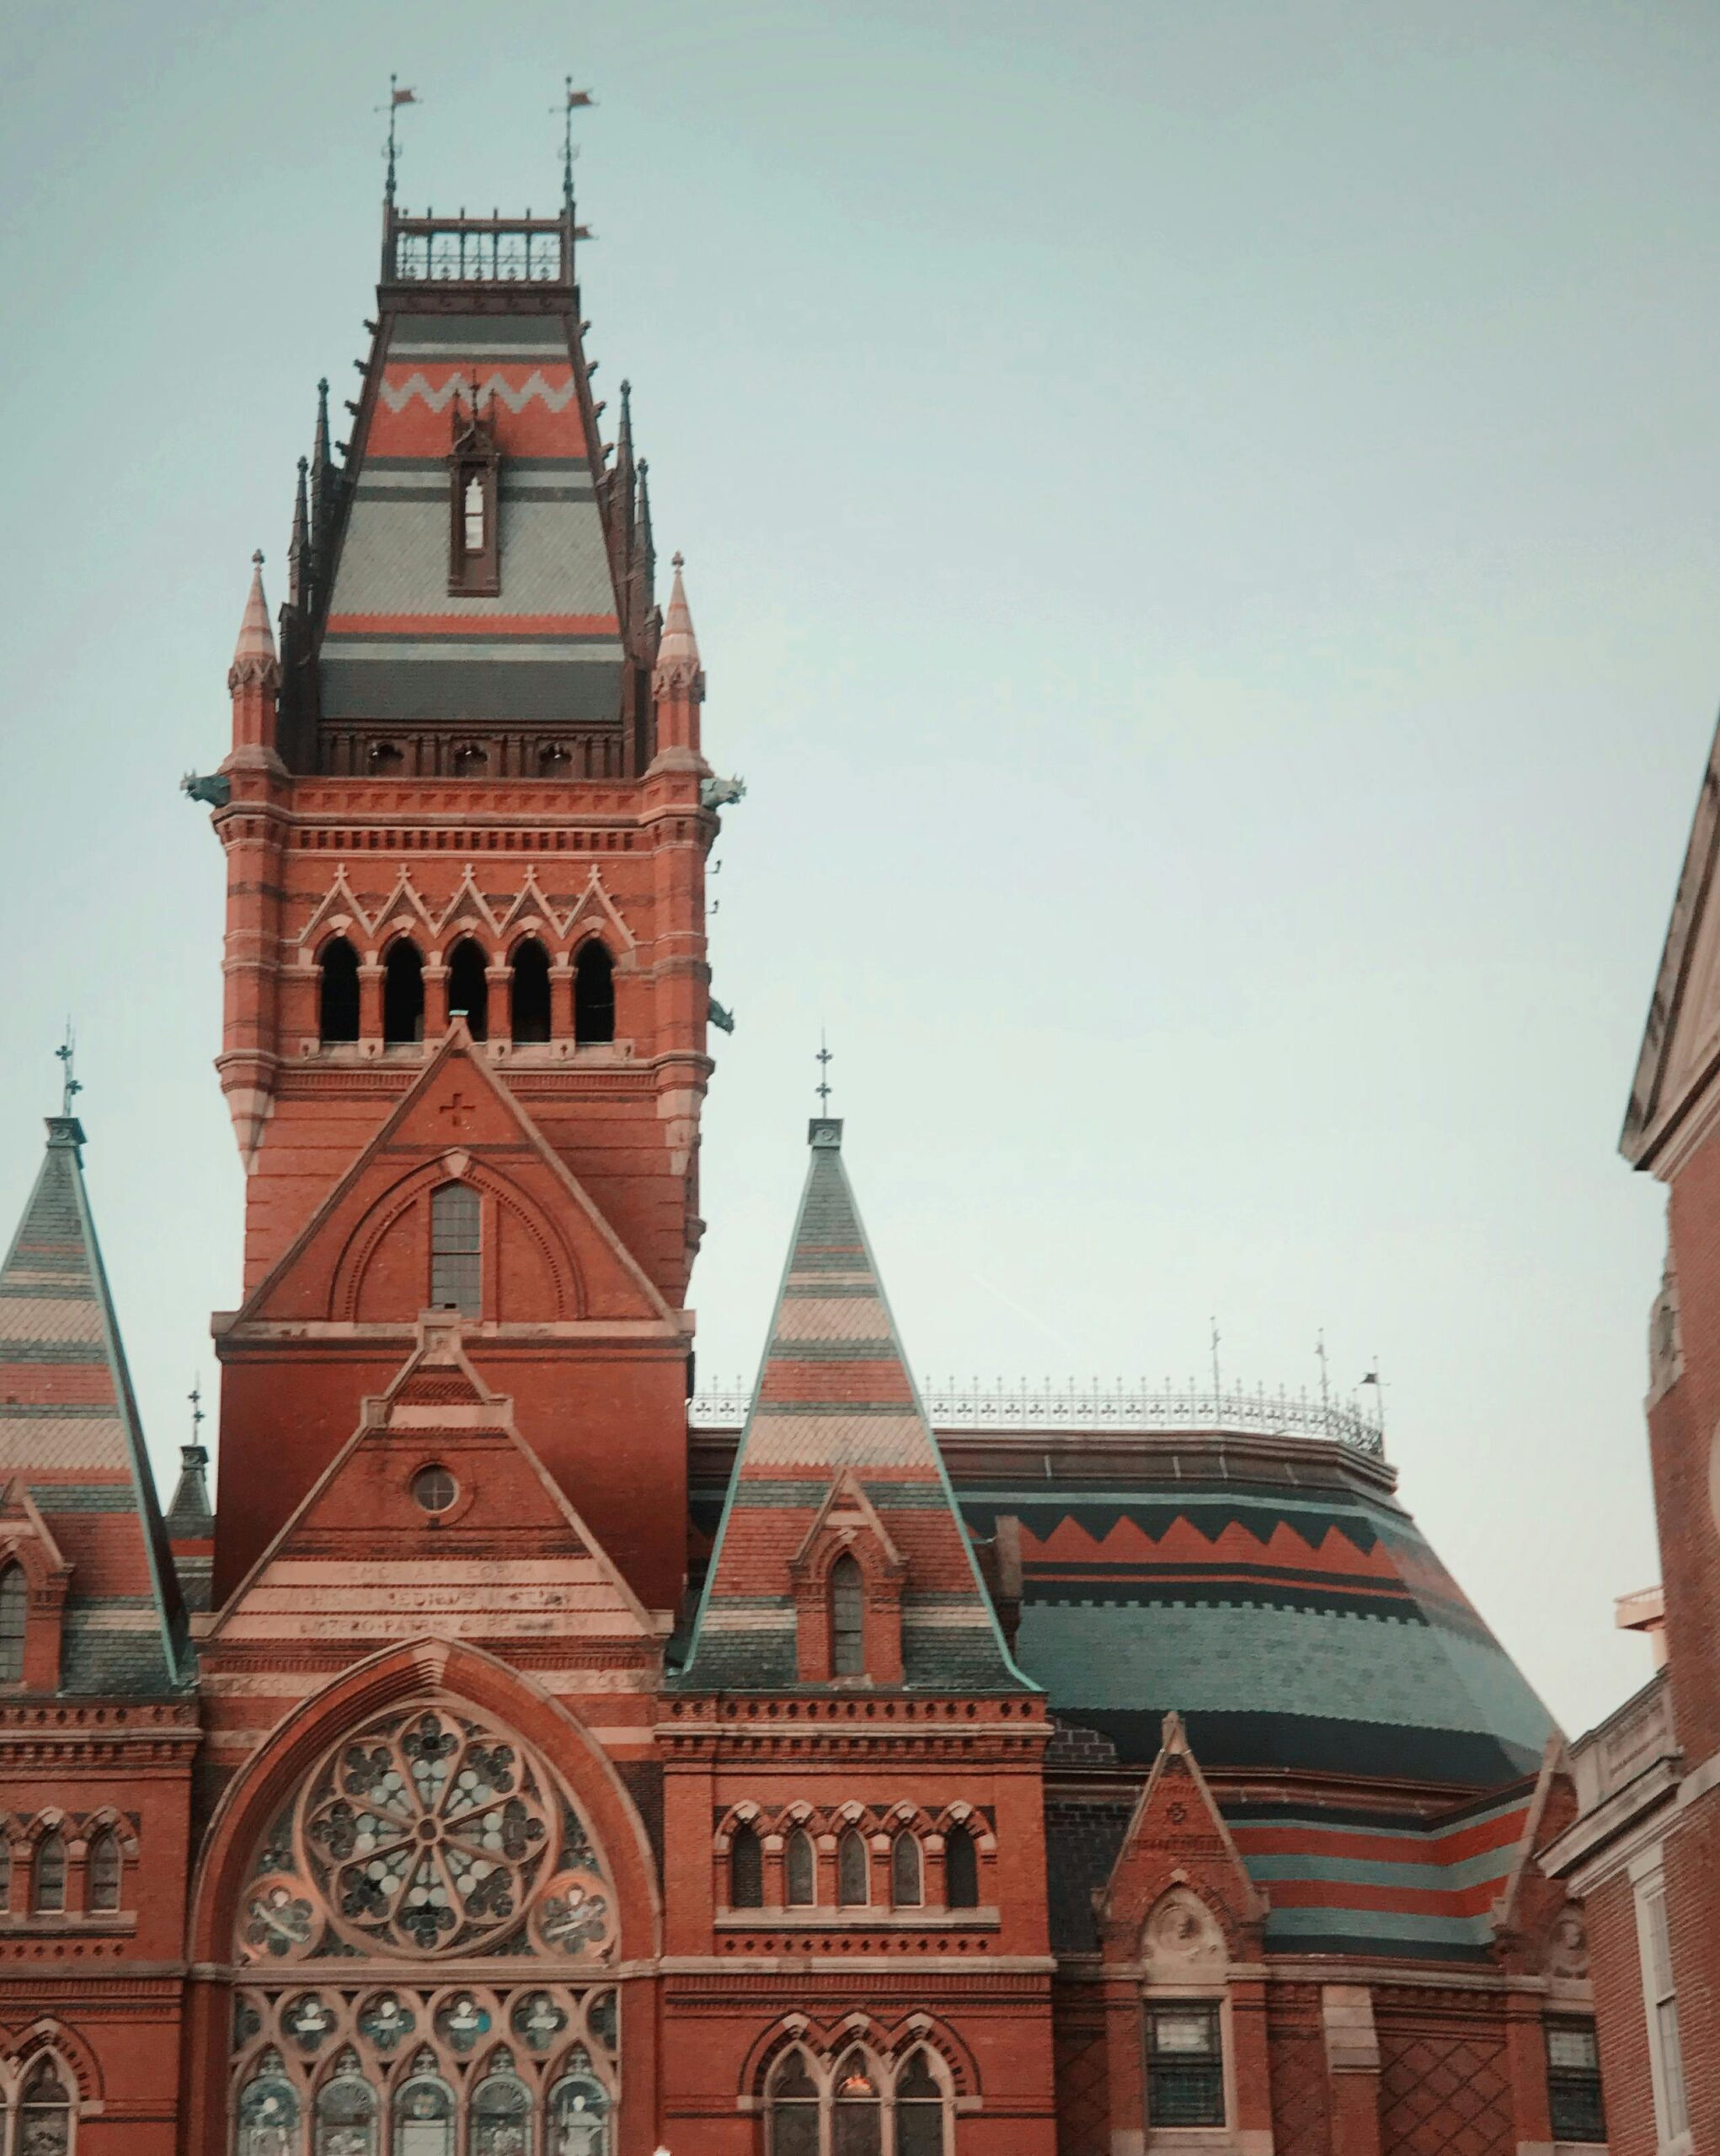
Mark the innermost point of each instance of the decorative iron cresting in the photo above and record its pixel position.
(1033, 1406)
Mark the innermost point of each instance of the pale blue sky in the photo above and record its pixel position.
(1200, 522)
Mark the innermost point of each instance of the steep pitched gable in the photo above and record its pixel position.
(1179, 1846)
(835, 1408)
(1680, 1052)
(364, 1255)
(70, 1438)
(366, 1559)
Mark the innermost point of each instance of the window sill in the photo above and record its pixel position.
(867, 1919)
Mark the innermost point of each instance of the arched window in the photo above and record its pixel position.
(529, 993)
(853, 1869)
(268, 2111)
(920, 2110)
(424, 2113)
(847, 1620)
(457, 1249)
(337, 1007)
(801, 1864)
(468, 988)
(578, 2117)
(747, 1870)
(48, 1884)
(961, 1870)
(403, 993)
(593, 995)
(906, 1881)
(793, 2108)
(857, 2115)
(15, 1608)
(501, 2112)
(345, 2113)
(44, 2113)
(101, 1873)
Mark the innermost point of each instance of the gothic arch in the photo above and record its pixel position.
(423, 1668)
(68, 2050)
(362, 1243)
(825, 2041)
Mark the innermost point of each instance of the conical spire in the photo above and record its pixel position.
(320, 461)
(644, 547)
(678, 651)
(298, 552)
(254, 656)
(836, 1425)
(69, 1435)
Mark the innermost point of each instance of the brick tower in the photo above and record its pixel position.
(466, 818)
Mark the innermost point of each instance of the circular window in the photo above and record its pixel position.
(435, 1489)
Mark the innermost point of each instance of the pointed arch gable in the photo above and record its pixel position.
(53, 2039)
(298, 1285)
(529, 1218)
(594, 913)
(423, 1668)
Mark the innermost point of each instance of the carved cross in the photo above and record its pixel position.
(458, 1111)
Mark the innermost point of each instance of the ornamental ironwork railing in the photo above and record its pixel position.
(479, 250)
(1028, 1408)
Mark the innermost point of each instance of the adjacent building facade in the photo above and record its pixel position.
(1644, 1849)
(511, 1762)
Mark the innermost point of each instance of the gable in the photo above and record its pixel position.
(367, 1558)
(548, 1254)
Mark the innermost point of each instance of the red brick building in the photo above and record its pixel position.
(1644, 1849)
(511, 1763)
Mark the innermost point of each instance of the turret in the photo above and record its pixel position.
(253, 679)
(678, 682)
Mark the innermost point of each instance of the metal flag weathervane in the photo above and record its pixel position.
(70, 1087)
(397, 98)
(576, 101)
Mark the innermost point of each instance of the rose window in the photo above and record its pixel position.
(428, 1832)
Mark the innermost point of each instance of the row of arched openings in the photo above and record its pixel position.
(425, 2110)
(853, 1869)
(104, 1870)
(861, 2108)
(528, 1010)
(42, 2114)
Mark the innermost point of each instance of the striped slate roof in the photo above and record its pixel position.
(69, 1432)
(397, 648)
(835, 1400)
(1297, 1624)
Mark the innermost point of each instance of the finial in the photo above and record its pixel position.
(70, 1086)
(195, 1397)
(576, 101)
(678, 560)
(824, 1059)
(299, 550)
(257, 559)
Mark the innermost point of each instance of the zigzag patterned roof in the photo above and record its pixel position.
(69, 1432)
(835, 1398)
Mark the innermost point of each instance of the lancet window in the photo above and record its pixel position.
(847, 1620)
(860, 2106)
(14, 1612)
(433, 1837)
(468, 988)
(403, 993)
(594, 995)
(457, 1249)
(337, 995)
(529, 994)
(43, 2121)
(101, 1873)
(48, 1875)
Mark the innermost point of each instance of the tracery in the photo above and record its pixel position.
(424, 1942)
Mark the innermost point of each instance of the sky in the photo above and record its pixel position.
(1200, 526)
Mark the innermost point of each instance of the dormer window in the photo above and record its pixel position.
(474, 548)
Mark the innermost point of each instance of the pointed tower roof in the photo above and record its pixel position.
(835, 1405)
(254, 656)
(678, 649)
(69, 1431)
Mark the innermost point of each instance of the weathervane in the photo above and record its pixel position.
(71, 1086)
(822, 1087)
(397, 98)
(576, 100)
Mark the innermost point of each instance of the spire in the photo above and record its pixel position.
(69, 1435)
(678, 671)
(321, 464)
(836, 1429)
(644, 549)
(254, 656)
(298, 552)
